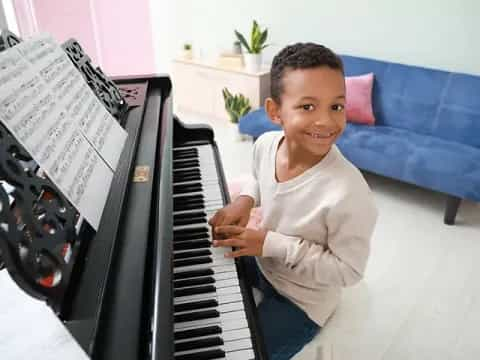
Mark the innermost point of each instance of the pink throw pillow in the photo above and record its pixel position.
(359, 99)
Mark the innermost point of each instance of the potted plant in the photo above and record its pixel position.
(236, 106)
(253, 58)
(237, 47)
(187, 51)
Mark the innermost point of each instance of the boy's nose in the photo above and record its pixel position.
(323, 119)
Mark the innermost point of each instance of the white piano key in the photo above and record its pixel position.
(224, 291)
(221, 299)
(215, 263)
(208, 193)
(221, 308)
(225, 268)
(231, 349)
(236, 334)
(216, 251)
(230, 335)
(223, 318)
(235, 306)
(241, 355)
(240, 344)
(227, 283)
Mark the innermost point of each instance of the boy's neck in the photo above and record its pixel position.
(298, 157)
(292, 160)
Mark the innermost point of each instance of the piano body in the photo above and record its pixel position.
(147, 284)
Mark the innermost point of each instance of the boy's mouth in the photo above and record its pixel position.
(322, 135)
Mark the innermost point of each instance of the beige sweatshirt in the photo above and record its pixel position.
(319, 227)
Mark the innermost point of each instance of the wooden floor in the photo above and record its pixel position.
(420, 298)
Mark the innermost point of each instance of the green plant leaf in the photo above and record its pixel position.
(263, 38)
(242, 40)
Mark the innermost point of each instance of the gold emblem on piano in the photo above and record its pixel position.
(141, 174)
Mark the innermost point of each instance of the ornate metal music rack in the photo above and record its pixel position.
(39, 242)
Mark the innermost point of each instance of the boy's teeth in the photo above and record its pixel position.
(321, 135)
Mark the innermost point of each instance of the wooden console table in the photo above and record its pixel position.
(197, 86)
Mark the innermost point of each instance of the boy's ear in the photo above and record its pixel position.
(273, 111)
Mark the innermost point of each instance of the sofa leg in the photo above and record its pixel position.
(453, 203)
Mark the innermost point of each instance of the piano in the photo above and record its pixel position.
(147, 284)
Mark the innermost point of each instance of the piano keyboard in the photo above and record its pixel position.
(209, 315)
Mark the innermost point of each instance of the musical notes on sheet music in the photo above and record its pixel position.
(49, 108)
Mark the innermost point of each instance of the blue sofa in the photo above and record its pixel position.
(427, 129)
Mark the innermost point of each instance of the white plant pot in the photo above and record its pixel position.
(253, 62)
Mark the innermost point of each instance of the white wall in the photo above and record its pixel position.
(432, 33)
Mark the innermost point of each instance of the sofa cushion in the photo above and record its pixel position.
(359, 99)
(430, 162)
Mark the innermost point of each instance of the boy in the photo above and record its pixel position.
(318, 211)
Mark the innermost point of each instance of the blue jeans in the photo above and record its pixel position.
(285, 327)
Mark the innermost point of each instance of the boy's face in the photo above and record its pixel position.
(312, 109)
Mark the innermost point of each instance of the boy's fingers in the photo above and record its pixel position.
(215, 219)
(236, 253)
(229, 242)
(229, 230)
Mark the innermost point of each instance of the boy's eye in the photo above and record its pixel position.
(338, 107)
(308, 107)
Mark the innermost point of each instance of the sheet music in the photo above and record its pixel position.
(69, 134)
(63, 79)
(29, 329)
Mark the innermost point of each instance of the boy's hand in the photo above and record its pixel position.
(235, 213)
(248, 242)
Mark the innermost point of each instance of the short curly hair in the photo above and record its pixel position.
(300, 56)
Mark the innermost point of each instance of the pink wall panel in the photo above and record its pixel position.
(127, 43)
(116, 34)
(65, 19)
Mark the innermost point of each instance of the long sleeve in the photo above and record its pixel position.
(252, 187)
(342, 261)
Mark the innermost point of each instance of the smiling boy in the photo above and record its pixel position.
(318, 211)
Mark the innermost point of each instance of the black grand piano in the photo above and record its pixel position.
(147, 284)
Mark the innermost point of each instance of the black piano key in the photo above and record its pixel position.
(191, 230)
(184, 152)
(194, 291)
(185, 155)
(185, 164)
(193, 220)
(202, 355)
(184, 201)
(197, 205)
(192, 273)
(191, 235)
(193, 333)
(199, 344)
(198, 236)
(180, 173)
(196, 315)
(191, 244)
(187, 198)
(193, 261)
(195, 305)
(182, 189)
(184, 178)
(188, 215)
(193, 282)
(190, 254)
